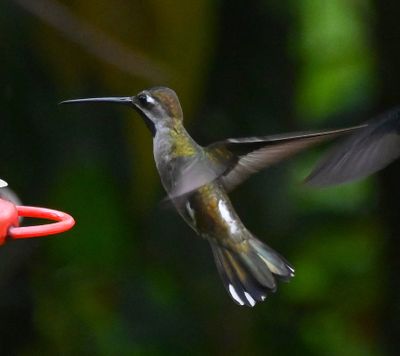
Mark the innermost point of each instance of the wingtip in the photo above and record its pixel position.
(319, 180)
(316, 180)
(308, 181)
(312, 183)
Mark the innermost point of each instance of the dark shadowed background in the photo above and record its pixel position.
(131, 278)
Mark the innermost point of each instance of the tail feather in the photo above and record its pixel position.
(275, 262)
(249, 275)
(242, 287)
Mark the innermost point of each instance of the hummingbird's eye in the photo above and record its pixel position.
(145, 100)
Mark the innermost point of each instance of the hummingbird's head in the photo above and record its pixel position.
(158, 106)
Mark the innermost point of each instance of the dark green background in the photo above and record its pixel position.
(131, 278)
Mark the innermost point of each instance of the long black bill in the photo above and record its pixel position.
(130, 101)
(125, 100)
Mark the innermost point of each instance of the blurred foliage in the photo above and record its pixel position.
(131, 278)
(336, 55)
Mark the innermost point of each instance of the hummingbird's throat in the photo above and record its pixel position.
(150, 124)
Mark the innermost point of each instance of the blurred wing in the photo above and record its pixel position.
(244, 156)
(362, 154)
(190, 173)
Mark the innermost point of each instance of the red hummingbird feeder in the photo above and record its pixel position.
(9, 221)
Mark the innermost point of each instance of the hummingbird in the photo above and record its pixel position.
(197, 180)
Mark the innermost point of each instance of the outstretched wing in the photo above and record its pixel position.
(241, 157)
(362, 154)
(235, 159)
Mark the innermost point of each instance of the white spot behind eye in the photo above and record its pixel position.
(150, 100)
(3, 183)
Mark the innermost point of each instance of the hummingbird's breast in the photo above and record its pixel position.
(208, 209)
(213, 216)
(173, 150)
